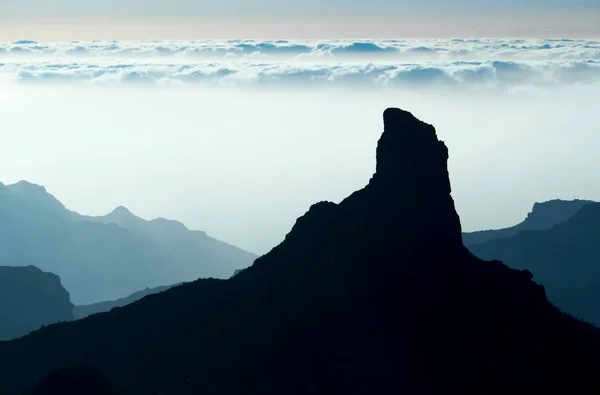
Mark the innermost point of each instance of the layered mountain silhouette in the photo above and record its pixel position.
(100, 307)
(374, 295)
(30, 299)
(543, 216)
(109, 257)
(565, 259)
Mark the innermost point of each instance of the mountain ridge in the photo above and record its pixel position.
(543, 216)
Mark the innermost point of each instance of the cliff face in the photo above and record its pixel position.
(29, 299)
(374, 295)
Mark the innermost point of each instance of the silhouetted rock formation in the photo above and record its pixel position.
(565, 259)
(543, 216)
(108, 257)
(374, 295)
(30, 299)
(101, 307)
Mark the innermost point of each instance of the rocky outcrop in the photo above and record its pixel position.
(374, 295)
(543, 216)
(30, 299)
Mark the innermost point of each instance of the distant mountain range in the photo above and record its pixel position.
(30, 299)
(106, 258)
(565, 258)
(374, 295)
(543, 216)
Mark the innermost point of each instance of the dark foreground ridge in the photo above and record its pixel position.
(374, 295)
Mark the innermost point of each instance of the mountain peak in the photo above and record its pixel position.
(27, 187)
(409, 153)
(121, 212)
(412, 178)
(392, 115)
(36, 195)
(27, 184)
(406, 205)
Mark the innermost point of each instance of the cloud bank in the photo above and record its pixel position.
(465, 63)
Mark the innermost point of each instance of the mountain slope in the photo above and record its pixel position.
(565, 259)
(30, 299)
(543, 216)
(97, 259)
(100, 307)
(374, 295)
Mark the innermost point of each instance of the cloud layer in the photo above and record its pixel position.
(466, 63)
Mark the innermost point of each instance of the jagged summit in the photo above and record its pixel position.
(412, 176)
(403, 137)
(407, 203)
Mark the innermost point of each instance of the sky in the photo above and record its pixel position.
(205, 19)
(234, 117)
(179, 8)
